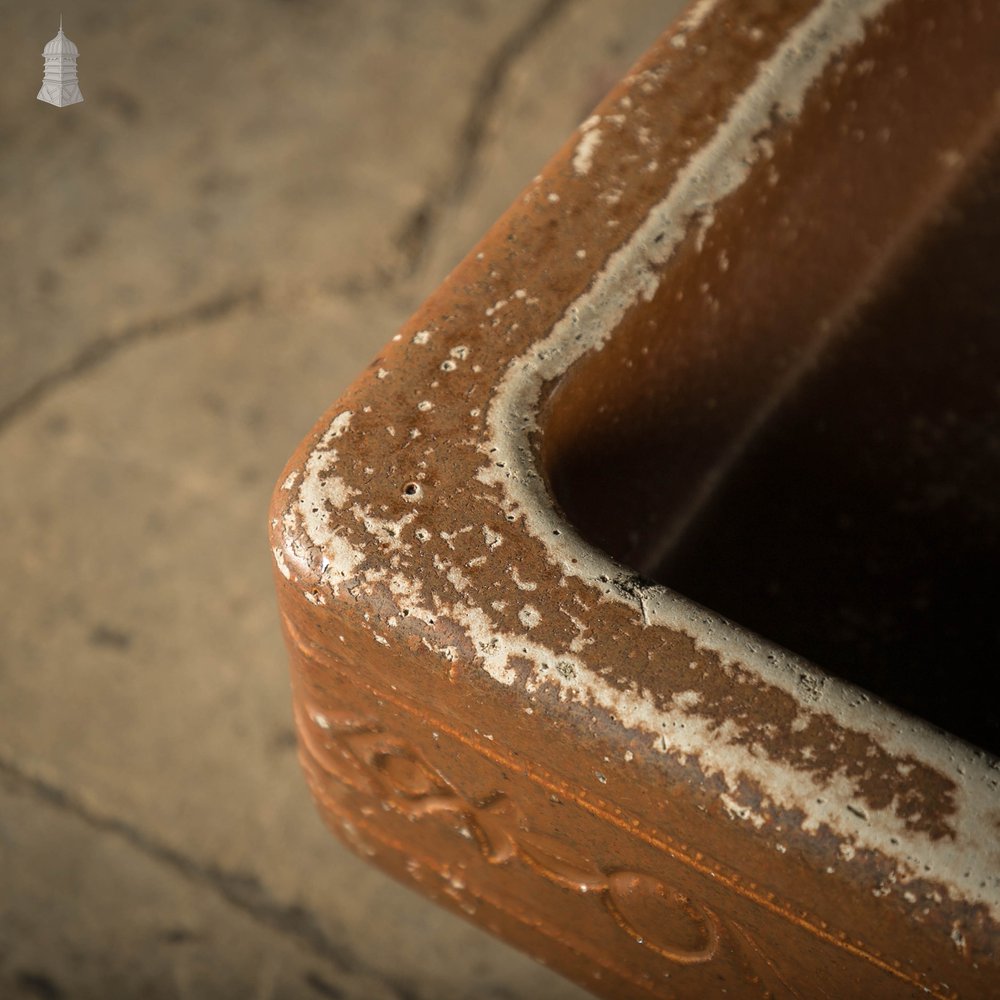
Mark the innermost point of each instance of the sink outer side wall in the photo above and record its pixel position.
(607, 776)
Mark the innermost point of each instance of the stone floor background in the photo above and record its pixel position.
(193, 263)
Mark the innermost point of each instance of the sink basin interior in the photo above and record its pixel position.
(810, 443)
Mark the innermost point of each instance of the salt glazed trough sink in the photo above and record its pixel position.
(642, 594)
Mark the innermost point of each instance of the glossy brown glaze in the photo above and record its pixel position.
(779, 222)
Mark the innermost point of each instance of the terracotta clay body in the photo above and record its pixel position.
(737, 344)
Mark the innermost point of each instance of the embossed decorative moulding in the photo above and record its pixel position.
(735, 348)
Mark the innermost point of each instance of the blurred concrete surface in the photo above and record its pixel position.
(193, 263)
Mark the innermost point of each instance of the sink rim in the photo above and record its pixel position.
(335, 552)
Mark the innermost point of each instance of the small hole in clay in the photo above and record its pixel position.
(411, 490)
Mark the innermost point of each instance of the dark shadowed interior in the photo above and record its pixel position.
(855, 517)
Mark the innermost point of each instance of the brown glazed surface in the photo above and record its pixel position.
(738, 339)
